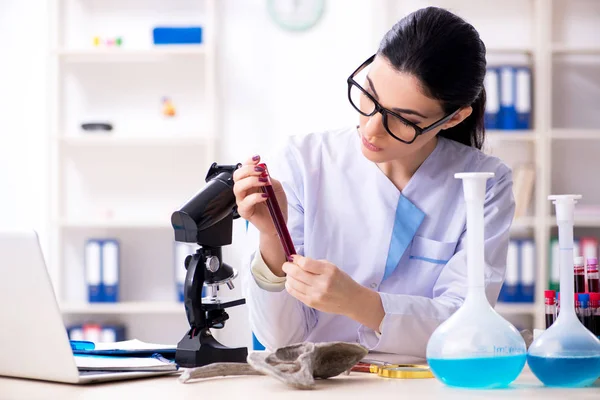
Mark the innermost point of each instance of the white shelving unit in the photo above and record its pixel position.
(542, 34)
(125, 184)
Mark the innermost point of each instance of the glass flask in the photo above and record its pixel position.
(476, 347)
(567, 354)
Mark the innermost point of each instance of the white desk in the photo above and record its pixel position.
(356, 386)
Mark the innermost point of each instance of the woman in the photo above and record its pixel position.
(377, 218)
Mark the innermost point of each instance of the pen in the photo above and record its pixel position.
(82, 345)
(277, 217)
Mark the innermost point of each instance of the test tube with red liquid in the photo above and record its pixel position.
(592, 275)
(595, 313)
(277, 217)
(579, 275)
(550, 306)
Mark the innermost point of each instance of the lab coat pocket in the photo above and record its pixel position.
(427, 259)
(431, 251)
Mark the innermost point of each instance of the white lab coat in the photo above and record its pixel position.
(410, 247)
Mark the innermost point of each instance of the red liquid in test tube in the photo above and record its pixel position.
(277, 217)
(579, 275)
(592, 275)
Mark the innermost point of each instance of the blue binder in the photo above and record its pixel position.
(75, 332)
(110, 270)
(112, 333)
(510, 288)
(523, 98)
(527, 268)
(181, 251)
(492, 91)
(102, 264)
(508, 112)
(93, 270)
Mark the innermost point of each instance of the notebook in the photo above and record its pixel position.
(92, 362)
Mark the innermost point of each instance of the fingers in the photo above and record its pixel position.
(246, 205)
(309, 265)
(297, 287)
(248, 177)
(294, 271)
(245, 185)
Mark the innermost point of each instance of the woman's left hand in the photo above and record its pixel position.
(321, 285)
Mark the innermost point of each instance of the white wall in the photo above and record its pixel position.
(24, 191)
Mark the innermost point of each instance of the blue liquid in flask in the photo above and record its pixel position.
(565, 371)
(481, 372)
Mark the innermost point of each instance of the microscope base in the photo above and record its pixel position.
(204, 349)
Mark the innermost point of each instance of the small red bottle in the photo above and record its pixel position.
(549, 301)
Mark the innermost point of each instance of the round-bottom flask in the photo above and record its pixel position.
(567, 354)
(476, 347)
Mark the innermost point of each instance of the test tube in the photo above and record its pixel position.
(595, 312)
(277, 217)
(592, 275)
(579, 275)
(550, 307)
(584, 310)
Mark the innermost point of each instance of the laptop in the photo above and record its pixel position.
(33, 340)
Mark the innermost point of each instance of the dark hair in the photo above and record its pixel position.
(447, 56)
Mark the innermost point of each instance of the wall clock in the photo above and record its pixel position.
(296, 15)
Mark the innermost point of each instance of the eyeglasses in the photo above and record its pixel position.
(397, 126)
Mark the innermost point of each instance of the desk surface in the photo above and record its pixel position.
(356, 385)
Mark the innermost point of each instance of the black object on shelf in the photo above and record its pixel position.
(96, 126)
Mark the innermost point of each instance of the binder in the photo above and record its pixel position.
(508, 112)
(554, 265)
(509, 291)
(523, 184)
(491, 84)
(588, 247)
(523, 98)
(92, 332)
(110, 271)
(75, 332)
(93, 270)
(112, 333)
(182, 250)
(527, 262)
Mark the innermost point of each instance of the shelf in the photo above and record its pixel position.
(580, 221)
(121, 54)
(515, 308)
(102, 140)
(511, 135)
(558, 48)
(141, 307)
(132, 224)
(576, 134)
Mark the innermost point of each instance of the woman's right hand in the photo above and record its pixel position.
(248, 179)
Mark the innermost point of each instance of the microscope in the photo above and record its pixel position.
(207, 220)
